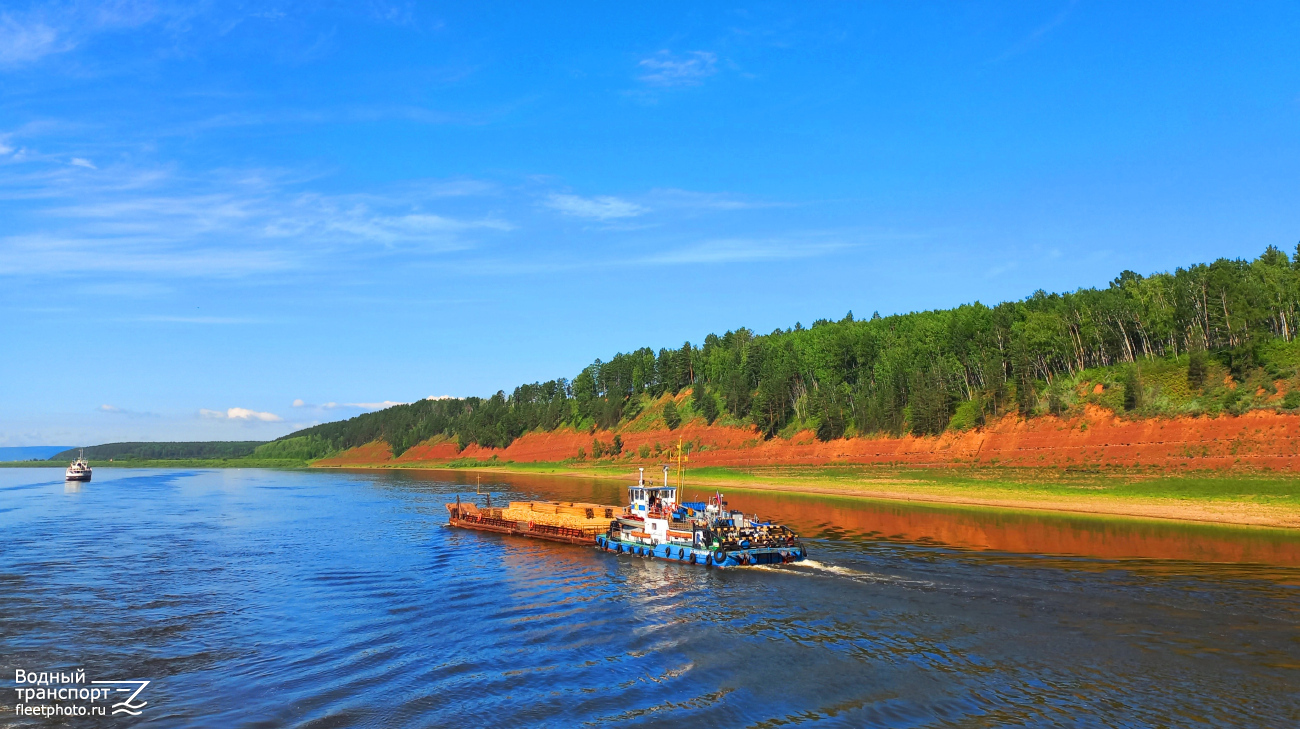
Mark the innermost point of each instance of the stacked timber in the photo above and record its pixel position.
(574, 515)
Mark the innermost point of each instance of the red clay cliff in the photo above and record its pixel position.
(1258, 440)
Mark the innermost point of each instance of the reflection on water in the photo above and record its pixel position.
(973, 528)
(261, 598)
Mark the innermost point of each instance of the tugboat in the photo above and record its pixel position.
(703, 533)
(79, 470)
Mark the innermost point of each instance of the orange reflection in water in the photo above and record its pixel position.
(1027, 532)
(973, 528)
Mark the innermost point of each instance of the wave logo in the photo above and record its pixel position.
(129, 705)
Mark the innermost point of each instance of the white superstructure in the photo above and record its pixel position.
(79, 470)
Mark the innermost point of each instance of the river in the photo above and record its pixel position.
(264, 598)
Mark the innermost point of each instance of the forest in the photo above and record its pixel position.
(1167, 343)
(161, 451)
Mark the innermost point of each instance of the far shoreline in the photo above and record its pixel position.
(1245, 500)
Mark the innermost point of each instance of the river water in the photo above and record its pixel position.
(332, 599)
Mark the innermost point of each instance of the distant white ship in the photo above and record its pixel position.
(79, 470)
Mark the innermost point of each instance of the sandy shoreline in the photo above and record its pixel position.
(1215, 511)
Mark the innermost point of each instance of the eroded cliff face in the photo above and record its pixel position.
(1255, 441)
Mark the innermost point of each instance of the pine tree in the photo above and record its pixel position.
(671, 418)
(704, 403)
(1132, 389)
(710, 409)
(1196, 369)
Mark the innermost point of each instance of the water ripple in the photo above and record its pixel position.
(259, 598)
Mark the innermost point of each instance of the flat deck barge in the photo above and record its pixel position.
(469, 516)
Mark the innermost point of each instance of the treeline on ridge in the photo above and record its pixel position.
(921, 372)
(162, 451)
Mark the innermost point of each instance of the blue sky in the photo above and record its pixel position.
(228, 221)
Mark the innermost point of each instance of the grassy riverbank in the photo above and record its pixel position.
(1240, 498)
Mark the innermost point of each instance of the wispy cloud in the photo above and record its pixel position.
(124, 412)
(43, 254)
(83, 162)
(240, 414)
(338, 115)
(736, 250)
(668, 69)
(361, 224)
(1037, 34)
(53, 28)
(199, 319)
(603, 207)
(300, 403)
(229, 223)
(23, 40)
(674, 198)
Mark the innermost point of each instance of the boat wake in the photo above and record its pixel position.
(812, 567)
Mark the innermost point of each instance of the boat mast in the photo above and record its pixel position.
(681, 456)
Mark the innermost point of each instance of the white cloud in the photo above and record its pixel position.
(83, 162)
(246, 414)
(240, 414)
(598, 208)
(110, 409)
(668, 69)
(440, 397)
(373, 405)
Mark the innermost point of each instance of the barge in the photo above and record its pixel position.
(568, 522)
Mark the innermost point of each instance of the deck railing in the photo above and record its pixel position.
(560, 531)
(490, 521)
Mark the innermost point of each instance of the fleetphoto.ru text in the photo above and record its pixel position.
(50, 694)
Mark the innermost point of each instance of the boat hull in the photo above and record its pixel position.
(79, 476)
(704, 557)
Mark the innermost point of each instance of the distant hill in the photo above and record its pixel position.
(162, 451)
(29, 453)
(1208, 339)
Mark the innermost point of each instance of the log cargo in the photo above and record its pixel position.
(572, 523)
